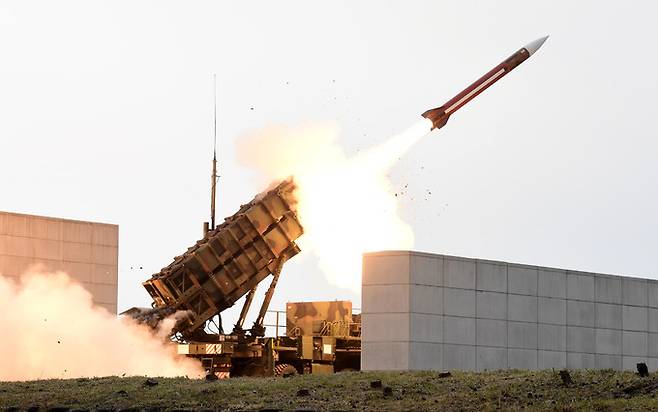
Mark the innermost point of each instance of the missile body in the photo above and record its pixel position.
(440, 115)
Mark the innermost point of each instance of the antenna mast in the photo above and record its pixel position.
(214, 156)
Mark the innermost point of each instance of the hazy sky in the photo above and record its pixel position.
(106, 115)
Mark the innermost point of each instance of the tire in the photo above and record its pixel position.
(285, 370)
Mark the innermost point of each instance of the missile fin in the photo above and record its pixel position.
(438, 117)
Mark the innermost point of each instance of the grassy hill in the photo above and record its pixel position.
(545, 390)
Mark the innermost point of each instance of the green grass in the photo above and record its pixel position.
(605, 390)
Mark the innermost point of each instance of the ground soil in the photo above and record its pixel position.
(604, 390)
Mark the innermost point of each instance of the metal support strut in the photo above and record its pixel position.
(258, 329)
(237, 329)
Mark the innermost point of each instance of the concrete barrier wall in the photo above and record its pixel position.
(423, 311)
(86, 251)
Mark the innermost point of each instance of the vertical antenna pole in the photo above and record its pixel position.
(214, 156)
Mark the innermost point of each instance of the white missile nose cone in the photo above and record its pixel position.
(532, 47)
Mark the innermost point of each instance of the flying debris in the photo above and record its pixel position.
(440, 115)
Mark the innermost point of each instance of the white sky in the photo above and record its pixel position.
(106, 115)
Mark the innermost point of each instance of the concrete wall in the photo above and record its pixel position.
(425, 311)
(87, 251)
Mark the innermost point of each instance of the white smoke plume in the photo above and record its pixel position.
(51, 329)
(346, 204)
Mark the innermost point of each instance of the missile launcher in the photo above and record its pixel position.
(229, 262)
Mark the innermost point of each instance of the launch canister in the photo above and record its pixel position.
(440, 115)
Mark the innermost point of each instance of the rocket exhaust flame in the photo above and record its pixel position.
(346, 204)
(52, 330)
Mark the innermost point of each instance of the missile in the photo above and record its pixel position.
(440, 115)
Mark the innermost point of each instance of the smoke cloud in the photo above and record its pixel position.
(346, 204)
(51, 329)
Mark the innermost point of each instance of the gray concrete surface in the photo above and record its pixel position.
(424, 311)
(86, 251)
